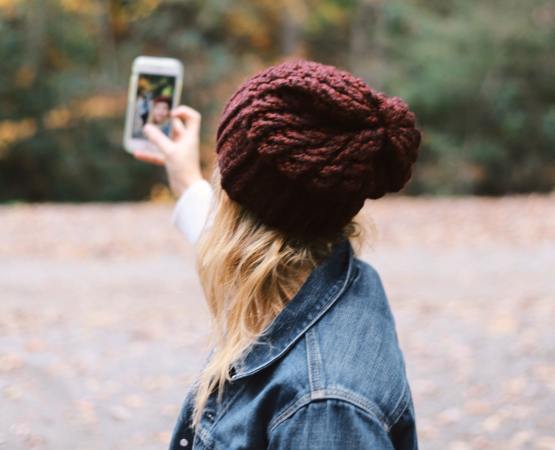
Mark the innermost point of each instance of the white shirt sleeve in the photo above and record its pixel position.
(190, 214)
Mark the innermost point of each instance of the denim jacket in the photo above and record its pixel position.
(327, 374)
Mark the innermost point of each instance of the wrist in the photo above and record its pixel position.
(179, 186)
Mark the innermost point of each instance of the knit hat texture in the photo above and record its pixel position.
(302, 145)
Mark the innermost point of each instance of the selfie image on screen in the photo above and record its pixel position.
(153, 103)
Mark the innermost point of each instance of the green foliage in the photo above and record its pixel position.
(80, 163)
(478, 75)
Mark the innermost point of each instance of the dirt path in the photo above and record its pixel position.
(103, 325)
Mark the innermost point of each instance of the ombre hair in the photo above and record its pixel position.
(248, 272)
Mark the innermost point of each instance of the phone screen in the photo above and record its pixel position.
(153, 103)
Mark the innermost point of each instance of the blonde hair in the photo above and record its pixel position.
(248, 272)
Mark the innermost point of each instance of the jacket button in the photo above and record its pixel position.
(183, 442)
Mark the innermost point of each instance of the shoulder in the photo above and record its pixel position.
(359, 351)
(353, 356)
(362, 320)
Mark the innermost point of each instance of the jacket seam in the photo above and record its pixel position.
(369, 408)
(313, 359)
(400, 406)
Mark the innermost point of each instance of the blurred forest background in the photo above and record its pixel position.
(478, 74)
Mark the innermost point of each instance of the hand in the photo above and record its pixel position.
(181, 154)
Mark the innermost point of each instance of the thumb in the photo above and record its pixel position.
(157, 137)
(178, 127)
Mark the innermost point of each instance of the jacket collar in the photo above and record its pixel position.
(320, 291)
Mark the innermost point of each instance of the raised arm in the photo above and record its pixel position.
(181, 157)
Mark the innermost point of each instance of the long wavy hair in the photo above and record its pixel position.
(248, 272)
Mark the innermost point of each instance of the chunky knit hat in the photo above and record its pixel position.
(302, 145)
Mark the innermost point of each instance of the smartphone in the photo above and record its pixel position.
(154, 90)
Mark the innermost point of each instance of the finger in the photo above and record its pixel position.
(190, 116)
(149, 157)
(178, 127)
(157, 137)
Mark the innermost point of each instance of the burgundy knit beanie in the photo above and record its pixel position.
(302, 145)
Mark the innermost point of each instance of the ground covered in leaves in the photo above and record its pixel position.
(103, 325)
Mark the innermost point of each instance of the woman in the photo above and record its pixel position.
(305, 352)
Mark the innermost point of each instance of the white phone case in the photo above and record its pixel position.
(147, 70)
